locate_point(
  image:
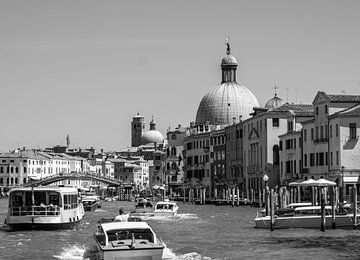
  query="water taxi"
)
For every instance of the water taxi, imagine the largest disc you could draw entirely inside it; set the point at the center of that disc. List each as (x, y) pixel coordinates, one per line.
(47, 207)
(127, 240)
(305, 217)
(143, 208)
(165, 208)
(91, 203)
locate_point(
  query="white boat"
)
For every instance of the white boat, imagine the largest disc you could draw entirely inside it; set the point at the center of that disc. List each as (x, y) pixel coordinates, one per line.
(47, 207)
(305, 217)
(91, 202)
(128, 241)
(143, 208)
(165, 208)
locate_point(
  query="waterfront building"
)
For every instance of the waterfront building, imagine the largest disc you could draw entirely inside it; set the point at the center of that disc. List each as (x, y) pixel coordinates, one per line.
(174, 174)
(197, 156)
(261, 142)
(330, 146)
(234, 155)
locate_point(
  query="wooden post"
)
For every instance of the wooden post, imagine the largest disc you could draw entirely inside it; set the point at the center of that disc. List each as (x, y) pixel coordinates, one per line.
(184, 195)
(322, 205)
(233, 197)
(237, 197)
(272, 211)
(224, 194)
(215, 193)
(260, 198)
(299, 194)
(355, 206)
(332, 198)
(204, 195)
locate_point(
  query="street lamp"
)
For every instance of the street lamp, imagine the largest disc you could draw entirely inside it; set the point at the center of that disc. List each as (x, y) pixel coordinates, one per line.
(266, 179)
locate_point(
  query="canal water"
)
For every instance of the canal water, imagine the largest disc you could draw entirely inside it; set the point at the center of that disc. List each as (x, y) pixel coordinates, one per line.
(198, 232)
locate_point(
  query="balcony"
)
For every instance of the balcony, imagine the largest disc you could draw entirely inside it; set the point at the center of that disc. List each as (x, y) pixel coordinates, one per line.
(321, 140)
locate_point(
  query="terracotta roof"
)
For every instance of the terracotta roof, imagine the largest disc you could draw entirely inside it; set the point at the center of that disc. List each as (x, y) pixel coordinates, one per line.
(344, 98)
(298, 109)
(352, 111)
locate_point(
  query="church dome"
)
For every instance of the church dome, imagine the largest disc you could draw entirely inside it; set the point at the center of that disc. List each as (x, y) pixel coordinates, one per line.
(228, 59)
(228, 100)
(224, 102)
(274, 102)
(153, 135)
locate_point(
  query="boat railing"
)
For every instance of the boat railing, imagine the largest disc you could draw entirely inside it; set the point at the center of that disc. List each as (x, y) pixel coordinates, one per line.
(35, 211)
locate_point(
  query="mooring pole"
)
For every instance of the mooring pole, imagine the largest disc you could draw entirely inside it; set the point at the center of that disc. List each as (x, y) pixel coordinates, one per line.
(322, 204)
(333, 202)
(355, 206)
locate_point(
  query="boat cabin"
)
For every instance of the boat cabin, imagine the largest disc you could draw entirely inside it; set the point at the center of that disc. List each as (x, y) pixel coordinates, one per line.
(41, 201)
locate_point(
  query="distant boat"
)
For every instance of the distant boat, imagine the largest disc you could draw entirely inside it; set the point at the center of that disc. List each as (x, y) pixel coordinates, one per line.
(127, 240)
(91, 203)
(165, 208)
(305, 217)
(47, 207)
(143, 208)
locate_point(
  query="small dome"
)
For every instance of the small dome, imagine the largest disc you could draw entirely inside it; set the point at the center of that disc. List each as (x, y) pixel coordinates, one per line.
(274, 102)
(152, 136)
(228, 60)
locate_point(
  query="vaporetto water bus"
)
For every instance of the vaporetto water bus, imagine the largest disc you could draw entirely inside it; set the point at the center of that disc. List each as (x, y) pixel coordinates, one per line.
(48, 207)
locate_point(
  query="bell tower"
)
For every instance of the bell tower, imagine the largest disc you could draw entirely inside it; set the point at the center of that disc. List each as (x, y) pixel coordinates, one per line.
(137, 130)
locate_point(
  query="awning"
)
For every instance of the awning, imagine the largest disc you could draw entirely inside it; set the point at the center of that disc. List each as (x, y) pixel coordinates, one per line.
(351, 179)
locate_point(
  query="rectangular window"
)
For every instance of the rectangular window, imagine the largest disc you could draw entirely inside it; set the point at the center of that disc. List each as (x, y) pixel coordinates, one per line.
(337, 129)
(305, 160)
(330, 131)
(352, 129)
(275, 122)
(331, 158)
(305, 133)
(312, 159)
(337, 157)
(312, 133)
(316, 133)
(321, 132)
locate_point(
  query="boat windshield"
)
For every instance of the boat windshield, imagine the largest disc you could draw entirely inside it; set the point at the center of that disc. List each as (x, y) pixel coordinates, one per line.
(165, 206)
(124, 234)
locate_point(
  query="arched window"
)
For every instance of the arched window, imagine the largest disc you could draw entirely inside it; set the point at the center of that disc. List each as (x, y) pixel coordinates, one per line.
(276, 156)
(1, 180)
(174, 166)
(173, 151)
(168, 166)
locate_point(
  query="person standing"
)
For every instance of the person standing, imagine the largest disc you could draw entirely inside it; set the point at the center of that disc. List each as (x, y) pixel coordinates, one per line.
(121, 217)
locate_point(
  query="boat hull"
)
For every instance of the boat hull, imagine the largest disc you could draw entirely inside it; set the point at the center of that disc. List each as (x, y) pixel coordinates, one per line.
(138, 254)
(341, 221)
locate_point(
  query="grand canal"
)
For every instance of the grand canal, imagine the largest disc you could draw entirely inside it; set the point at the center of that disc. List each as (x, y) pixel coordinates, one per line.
(198, 232)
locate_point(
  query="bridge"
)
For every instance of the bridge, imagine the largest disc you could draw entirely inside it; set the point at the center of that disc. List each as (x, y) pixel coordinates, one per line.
(77, 176)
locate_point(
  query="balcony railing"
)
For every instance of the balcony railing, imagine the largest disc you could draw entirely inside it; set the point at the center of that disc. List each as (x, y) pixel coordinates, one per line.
(321, 140)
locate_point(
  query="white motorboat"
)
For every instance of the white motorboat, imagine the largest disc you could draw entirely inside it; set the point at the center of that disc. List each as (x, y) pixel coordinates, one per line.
(128, 241)
(165, 208)
(305, 217)
(143, 208)
(91, 203)
(48, 207)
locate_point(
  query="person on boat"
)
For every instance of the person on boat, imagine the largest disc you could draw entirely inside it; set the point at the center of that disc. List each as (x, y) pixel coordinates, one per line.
(121, 217)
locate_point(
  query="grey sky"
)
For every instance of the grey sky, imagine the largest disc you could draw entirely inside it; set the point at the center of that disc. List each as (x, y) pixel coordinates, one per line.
(85, 67)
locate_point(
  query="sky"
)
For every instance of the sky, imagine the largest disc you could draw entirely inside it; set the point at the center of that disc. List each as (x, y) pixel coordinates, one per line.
(86, 67)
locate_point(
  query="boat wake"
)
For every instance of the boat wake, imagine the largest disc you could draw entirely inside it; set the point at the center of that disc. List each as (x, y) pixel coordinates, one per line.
(182, 216)
(74, 252)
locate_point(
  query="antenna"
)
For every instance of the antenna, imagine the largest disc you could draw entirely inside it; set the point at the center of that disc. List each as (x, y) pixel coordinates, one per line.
(276, 88)
(287, 95)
